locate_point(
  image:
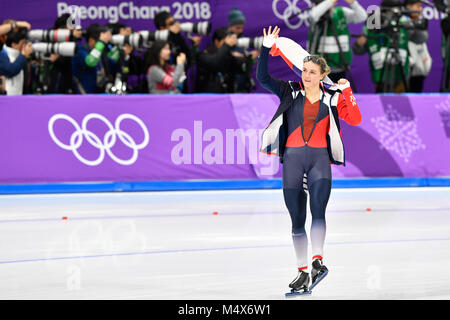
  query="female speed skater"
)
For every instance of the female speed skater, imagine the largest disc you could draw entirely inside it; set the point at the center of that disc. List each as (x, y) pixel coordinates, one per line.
(305, 134)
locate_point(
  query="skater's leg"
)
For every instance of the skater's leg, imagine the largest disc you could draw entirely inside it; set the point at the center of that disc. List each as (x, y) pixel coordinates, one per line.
(319, 187)
(295, 199)
(319, 194)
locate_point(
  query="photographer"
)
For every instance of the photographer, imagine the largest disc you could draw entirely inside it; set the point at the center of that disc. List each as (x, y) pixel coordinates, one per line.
(13, 60)
(388, 49)
(162, 76)
(420, 58)
(216, 65)
(244, 61)
(8, 26)
(120, 28)
(329, 35)
(92, 67)
(165, 21)
(444, 7)
(61, 68)
(131, 69)
(2, 85)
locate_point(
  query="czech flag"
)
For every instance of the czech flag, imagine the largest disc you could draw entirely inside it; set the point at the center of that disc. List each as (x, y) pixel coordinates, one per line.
(293, 54)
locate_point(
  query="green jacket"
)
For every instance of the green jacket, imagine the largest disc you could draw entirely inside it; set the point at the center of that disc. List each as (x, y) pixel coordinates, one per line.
(326, 44)
(377, 44)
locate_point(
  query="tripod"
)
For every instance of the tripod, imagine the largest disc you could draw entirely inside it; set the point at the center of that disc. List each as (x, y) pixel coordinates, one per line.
(445, 78)
(120, 82)
(40, 75)
(392, 60)
(444, 7)
(313, 47)
(445, 85)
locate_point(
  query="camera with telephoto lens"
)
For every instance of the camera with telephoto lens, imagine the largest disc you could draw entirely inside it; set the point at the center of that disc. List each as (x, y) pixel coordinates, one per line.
(391, 12)
(135, 40)
(250, 43)
(65, 49)
(201, 28)
(444, 7)
(57, 35)
(150, 36)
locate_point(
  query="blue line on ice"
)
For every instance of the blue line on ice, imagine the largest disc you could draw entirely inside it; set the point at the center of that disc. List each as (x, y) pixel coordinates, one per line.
(217, 249)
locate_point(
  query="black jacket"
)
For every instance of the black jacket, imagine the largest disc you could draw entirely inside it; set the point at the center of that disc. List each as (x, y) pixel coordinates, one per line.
(215, 70)
(340, 104)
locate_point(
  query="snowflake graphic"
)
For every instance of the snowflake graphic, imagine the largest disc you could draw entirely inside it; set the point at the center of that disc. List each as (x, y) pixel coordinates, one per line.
(254, 119)
(399, 134)
(254, 122)
(446, 119)
(444, 105)
(444, 111)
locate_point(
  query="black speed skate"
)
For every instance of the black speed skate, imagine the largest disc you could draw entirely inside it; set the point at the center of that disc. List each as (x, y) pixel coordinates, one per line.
(299, 285)
(318, 272)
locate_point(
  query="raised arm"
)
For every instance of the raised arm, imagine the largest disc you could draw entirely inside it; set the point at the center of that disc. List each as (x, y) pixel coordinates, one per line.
(7, 27)
(356, 14)
(347, 108)
(262, 74)
(319, 10)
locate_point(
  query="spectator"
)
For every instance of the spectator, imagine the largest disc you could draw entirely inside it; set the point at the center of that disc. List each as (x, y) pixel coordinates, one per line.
(244, 61)
(326, 19)
(236, 22)
(419, 55)
(61, 71)
(165, 21)
(92, 67)
(120, 28)
(130, 65)
(216, 65)
(2, 85)
(13, 59)
(161, 76)
(374, 42)
(10, 25)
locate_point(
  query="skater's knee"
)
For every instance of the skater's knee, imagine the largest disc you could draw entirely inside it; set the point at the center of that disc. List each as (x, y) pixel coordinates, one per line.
(298, 232)
(319, 196)
(320, 189)
(318, 220)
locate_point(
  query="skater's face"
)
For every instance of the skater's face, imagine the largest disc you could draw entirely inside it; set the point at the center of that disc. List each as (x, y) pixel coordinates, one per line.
(311, 74)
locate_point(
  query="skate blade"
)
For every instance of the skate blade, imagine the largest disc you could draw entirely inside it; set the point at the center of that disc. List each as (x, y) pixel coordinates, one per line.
(319, 278)
(294, 293)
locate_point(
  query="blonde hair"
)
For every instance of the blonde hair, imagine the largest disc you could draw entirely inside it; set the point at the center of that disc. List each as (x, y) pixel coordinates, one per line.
(321, 62)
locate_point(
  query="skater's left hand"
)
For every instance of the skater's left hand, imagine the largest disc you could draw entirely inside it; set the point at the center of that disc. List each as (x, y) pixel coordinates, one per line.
(343, 84)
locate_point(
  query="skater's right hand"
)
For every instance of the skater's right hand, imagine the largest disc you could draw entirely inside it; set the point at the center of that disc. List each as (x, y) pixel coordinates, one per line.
(270, 37)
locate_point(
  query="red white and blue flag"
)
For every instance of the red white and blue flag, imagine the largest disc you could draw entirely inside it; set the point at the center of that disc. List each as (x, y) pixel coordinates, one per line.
(293, 54)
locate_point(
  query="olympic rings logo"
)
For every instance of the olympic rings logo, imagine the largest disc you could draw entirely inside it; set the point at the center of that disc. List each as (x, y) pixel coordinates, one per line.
(290, 11)
(105, 144)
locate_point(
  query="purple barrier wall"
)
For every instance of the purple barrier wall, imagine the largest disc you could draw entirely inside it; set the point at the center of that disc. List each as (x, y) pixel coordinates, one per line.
(158, 137)
(140, 13)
